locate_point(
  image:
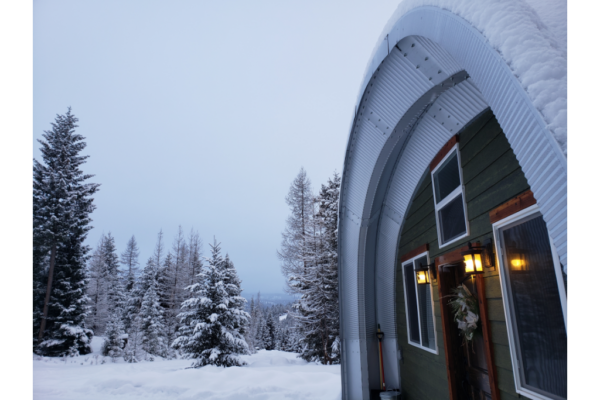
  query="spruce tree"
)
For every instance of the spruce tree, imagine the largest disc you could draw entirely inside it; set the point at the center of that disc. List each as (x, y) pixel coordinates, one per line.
(62, 203)
(269, 333)
(113, 342)
(152, 328)
(209, 331)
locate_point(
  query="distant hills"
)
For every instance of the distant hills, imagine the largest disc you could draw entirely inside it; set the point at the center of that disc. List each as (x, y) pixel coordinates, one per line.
(270, 298)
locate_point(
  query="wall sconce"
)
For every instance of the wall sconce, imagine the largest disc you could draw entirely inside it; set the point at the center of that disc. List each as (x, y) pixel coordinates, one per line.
(423, 272)
(472, 259)
(478, 257)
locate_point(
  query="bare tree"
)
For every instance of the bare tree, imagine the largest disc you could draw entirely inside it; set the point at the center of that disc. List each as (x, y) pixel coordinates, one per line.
(301, 202)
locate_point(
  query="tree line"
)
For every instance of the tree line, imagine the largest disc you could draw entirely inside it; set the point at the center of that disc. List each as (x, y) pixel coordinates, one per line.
(180, 304)
(177, 303)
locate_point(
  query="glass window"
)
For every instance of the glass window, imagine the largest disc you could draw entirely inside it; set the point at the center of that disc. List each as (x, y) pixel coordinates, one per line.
(447, 177)
(419, 307)
(448, 191)
(535, 298)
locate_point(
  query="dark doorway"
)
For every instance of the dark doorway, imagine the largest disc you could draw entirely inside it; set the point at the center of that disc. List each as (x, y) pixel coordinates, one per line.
(468, 365)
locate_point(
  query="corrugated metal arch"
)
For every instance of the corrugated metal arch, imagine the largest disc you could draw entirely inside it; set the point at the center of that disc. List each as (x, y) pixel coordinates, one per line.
(393, 138)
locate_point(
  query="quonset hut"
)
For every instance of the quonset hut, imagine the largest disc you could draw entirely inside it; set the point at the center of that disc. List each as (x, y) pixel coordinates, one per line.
(459, 137)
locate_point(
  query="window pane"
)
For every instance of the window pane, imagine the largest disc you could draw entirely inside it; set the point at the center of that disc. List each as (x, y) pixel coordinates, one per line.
(425, 308)
(452, 219)
(446, 178)
(537, 312)
(411, 303)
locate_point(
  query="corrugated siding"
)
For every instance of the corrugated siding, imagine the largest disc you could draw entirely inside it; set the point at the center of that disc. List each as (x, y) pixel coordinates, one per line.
(391, 89)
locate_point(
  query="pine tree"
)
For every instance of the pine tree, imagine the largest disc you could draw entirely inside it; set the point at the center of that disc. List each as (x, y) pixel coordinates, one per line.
(152, 328)
(209, 331)
(113, 343)
(269, 333)
(62, 202)
(116, 299)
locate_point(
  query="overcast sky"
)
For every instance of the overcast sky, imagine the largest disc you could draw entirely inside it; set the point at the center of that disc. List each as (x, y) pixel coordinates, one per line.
(201, 114)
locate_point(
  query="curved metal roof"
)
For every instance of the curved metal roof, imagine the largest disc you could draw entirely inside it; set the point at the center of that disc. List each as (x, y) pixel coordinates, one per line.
(434, 60)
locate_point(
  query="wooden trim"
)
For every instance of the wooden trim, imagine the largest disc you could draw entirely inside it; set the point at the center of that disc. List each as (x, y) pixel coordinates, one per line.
(421, 249)
(448, 351)
(443, 151)
(512, 206)
(452, 256)
(487, 337)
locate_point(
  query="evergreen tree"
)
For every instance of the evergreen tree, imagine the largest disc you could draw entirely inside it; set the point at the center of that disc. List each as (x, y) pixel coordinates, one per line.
(209, 331)
(113, 343)
(62, 202)
(269, 339)
(152, 327)
(116, 299)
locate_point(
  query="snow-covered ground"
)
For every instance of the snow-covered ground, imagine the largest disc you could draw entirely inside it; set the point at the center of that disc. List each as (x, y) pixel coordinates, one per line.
(268, 375)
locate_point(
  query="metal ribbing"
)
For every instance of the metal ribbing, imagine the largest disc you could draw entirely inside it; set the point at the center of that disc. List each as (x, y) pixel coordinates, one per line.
(456, 43)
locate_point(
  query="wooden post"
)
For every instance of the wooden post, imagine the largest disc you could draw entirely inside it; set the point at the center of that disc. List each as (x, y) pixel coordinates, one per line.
(48, 290)
(487, 336)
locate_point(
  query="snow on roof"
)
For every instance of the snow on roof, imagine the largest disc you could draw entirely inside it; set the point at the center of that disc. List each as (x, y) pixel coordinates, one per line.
(530, 35)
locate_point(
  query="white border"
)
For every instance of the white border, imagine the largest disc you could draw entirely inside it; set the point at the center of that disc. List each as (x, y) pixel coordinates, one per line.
(500, 254)
(419, 345)
(450, 197)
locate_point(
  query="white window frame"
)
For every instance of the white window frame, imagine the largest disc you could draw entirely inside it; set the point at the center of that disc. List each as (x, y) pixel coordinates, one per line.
(460, 189)
(501, 262)
(419, 345)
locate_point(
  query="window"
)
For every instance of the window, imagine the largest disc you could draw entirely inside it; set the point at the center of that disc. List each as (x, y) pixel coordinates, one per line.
(418, 300)
(535, 304)
(449, 199)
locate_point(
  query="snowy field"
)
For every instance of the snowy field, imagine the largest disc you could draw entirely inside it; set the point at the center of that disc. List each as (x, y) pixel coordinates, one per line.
(268, 375)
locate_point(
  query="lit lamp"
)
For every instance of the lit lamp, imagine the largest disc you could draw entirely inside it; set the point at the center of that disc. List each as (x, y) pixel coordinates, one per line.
(423, 271)
(472, 259)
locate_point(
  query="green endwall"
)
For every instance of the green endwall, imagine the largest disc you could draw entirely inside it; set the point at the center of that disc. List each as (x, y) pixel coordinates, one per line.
(492, 176)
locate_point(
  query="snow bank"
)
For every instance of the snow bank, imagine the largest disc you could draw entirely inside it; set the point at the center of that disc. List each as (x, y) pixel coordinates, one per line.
(268, 375)
(530, 35)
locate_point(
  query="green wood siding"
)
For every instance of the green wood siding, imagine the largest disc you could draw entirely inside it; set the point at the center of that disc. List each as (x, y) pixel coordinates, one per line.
(492, 175)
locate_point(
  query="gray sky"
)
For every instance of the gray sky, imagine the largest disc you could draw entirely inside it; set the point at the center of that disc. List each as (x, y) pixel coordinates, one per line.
(200, 114)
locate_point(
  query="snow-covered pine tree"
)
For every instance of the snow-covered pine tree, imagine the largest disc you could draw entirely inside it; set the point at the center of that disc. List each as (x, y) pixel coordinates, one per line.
(62, 203)
(237, 304)
(152, 328)
(129, 259)
(113, 342)
(259, 324)
(148, 277)
(195, 257)
(208, 332)
(269, 333)
(116, 299)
